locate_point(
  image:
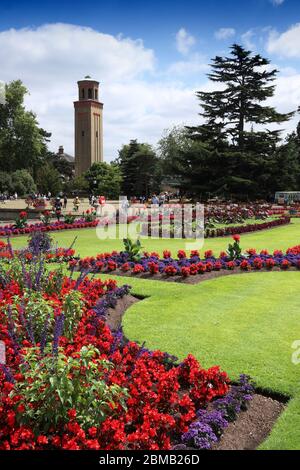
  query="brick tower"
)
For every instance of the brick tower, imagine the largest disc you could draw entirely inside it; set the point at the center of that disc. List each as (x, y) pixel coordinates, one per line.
(88, 126)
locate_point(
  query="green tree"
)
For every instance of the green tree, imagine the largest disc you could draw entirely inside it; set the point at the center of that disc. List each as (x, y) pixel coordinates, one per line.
(172, 143)
(48, 179)
(236, 152)
(105, 179)
(140, 168)
(5, 182)
(22, 183)
(246, 84)
(79, 183)
(286, 168)
(22, 141)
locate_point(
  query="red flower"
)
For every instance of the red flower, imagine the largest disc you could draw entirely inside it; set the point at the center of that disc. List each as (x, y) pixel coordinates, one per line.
(236, 238)
(72, 413)
(42, 440)
(181, 254)
(185, 271)
(208, 254)
(245, 266)
(138, 268)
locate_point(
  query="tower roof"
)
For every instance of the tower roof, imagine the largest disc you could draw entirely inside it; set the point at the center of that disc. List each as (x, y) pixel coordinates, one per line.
(88, 78)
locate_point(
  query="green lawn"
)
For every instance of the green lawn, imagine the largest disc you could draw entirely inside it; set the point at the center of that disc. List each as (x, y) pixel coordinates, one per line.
(244, 323)
(88, 244)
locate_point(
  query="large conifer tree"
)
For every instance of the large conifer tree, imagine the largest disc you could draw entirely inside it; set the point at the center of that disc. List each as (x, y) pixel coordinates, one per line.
(246, 82)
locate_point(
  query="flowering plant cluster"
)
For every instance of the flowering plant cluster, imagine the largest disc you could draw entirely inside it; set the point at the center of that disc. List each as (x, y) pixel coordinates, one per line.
(21, 220)
(210, 424)
(9, 230)
(38, 241)
(193, 264)
(46, 217)
(39, 203)
(70, 382)
(185, 231)
(89, 215)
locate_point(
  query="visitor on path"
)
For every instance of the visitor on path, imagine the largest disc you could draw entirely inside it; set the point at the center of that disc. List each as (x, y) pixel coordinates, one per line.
(76, 204)
(57, 206)
(154, 200)
(65, 201)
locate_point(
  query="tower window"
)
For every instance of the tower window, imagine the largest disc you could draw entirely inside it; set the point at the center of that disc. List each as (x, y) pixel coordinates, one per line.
(82, 93)
(82, 133)
(96, 133)
(90, 93)
(96, 94)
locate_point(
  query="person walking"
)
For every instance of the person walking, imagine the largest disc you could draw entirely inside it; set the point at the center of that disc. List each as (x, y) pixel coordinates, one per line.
(65, 201)
(76, 204)
(57, 206)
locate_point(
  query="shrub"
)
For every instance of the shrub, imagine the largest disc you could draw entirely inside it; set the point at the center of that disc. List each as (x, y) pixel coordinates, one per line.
(55, 389)
(132, 249)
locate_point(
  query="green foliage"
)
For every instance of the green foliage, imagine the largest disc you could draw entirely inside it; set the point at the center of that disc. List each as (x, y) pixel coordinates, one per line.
(228, 156)
(48, 179)
(54, 385)
(247, 84)
(79, 183)
(89, 215)
(21, 220)
(234, 250)
(69, 218)
(140, 168)
(19, 181)
(133, 249)
(105, 179)
(22, 183)
(22, 142)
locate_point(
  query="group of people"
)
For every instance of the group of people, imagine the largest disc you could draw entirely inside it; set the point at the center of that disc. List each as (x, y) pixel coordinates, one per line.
(156, 199)
(8, 197)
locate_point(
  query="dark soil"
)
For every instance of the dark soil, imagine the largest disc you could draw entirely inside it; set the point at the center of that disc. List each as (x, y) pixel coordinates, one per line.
(193, 279)
(114, 315)
(253, 426)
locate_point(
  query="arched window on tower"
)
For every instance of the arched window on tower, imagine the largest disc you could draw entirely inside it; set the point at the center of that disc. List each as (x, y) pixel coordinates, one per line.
(96, 94)
(82, 93)
(90, 94)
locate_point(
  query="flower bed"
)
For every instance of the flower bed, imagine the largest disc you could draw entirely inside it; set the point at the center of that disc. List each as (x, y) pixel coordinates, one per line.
(184, 266)
(56, 255)
(69, 382)
(9, 230)
(12, 230)
(169, 231)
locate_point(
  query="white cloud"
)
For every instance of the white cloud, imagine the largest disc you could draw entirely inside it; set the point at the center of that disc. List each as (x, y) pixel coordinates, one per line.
(51, 58)
(225, 33)
(286, 44)
(184, 41)
(247, 39)
(277, 2)
(195, 64)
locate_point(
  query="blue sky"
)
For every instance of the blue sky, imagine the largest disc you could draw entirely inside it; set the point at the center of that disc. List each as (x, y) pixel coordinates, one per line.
(150, 57)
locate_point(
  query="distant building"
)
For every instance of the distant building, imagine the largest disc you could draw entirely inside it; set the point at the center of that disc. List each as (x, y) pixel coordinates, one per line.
(88, 126)
(64, 163)
(65, 156)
